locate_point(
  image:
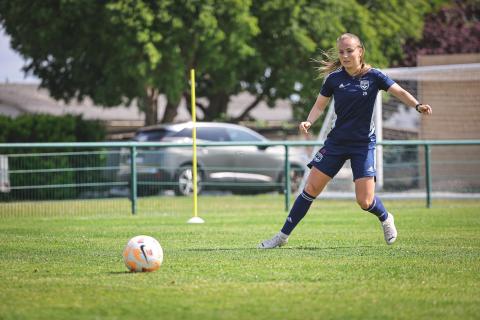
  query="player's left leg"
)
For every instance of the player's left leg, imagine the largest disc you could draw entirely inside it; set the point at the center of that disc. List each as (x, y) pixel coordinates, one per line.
(366, 198)
(363, 168)
(368, 201)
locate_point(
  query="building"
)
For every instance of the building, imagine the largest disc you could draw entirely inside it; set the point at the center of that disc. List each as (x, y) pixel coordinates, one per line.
(16, 99)
(451, 85)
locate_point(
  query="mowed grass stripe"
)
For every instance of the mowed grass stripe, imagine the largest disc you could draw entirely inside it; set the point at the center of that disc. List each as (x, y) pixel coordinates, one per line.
(336, 265)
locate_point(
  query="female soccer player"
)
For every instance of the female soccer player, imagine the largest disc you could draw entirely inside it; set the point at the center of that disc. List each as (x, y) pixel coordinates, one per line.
(354, 86)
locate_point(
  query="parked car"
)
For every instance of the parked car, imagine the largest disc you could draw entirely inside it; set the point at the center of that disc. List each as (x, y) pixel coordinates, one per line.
(240, 169)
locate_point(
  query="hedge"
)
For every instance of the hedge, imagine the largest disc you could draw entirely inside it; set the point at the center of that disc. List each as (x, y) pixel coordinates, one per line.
(47, 128)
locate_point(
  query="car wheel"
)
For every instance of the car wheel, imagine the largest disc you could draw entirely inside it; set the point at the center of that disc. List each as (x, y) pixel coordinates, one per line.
(184, 181)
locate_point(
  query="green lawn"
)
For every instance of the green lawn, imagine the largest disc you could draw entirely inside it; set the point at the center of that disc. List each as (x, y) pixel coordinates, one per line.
(336, 265)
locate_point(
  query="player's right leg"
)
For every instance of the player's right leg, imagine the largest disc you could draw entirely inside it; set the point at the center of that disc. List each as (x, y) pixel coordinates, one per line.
(316, 182)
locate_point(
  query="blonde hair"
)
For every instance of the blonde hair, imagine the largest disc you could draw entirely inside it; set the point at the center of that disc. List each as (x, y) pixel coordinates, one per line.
(331, 62)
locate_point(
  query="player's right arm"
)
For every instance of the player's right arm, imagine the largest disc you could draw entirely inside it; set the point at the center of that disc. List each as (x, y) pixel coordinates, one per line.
(315, 112)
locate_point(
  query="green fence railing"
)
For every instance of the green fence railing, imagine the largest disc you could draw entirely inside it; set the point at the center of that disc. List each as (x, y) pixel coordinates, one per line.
(427, 144)
(287, 145)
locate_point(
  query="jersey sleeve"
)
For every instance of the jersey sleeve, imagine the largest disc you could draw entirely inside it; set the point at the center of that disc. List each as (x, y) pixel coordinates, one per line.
(384, 81)
(327, 87)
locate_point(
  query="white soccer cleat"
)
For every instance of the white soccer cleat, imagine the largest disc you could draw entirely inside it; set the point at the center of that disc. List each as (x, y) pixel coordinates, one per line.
(389, 230)
(278, 240)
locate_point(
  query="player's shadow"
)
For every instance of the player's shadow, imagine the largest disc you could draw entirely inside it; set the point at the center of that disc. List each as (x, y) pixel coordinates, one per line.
(328, 248)
(285, 248)
(215, 249)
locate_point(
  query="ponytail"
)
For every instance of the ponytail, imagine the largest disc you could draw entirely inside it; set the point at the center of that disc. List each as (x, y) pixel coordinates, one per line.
(331, 61)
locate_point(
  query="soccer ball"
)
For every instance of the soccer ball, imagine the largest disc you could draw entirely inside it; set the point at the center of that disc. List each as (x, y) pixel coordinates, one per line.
(143, 254)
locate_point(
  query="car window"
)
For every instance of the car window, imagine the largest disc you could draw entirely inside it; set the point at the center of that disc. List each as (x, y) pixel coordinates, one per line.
(219, 134)
(241, 135)
(153, 135)
(184, 133)
(212, 134)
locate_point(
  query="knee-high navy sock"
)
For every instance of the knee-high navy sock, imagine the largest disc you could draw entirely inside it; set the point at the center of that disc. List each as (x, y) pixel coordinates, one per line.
(378, 209)
(298, 211)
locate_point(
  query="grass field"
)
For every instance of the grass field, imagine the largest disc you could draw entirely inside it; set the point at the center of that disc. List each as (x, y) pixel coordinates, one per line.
(336, 266)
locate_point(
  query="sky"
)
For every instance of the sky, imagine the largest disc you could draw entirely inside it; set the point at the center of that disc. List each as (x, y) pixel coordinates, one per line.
(11, 63)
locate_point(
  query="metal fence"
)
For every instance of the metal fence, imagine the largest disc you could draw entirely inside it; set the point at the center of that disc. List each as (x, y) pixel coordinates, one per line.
(32, 175)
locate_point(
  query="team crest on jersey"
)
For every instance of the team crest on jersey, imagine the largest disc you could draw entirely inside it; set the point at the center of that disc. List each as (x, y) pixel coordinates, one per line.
(364, 84)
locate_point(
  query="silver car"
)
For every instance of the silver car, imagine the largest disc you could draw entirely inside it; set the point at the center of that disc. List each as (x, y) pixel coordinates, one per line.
(239, 169)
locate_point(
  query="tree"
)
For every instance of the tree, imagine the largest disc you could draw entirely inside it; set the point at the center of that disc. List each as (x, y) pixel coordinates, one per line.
(117, 52)
(212, 37)
(292, 32)
(382, 25)
(120, 51)
(455, 28)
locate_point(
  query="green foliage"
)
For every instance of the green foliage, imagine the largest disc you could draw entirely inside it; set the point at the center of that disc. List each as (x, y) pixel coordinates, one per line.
(383, 27)
(115, 52)
(34, 170)
(48, 128)
(394, 22)
(66, 262)
(453, 29)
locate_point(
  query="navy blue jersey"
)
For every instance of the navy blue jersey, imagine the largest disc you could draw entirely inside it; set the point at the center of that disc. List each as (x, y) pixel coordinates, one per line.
(354, 102)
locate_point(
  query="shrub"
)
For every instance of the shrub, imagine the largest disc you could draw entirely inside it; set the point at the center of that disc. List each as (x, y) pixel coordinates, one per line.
(47, 128)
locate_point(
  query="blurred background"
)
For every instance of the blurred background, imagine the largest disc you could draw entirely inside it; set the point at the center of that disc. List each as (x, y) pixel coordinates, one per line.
(118, 71)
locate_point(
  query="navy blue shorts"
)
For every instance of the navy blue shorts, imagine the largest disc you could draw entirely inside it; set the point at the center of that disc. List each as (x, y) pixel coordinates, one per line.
(331, 158)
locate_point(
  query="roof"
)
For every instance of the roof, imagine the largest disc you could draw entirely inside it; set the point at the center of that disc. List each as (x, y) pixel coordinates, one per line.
(17, 99)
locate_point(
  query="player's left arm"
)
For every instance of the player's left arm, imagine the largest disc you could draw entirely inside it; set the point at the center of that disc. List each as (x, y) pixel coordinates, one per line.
(404, 96)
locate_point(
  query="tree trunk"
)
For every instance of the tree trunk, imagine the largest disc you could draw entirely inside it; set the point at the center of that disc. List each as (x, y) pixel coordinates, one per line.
(171, 111)
(217, 108)
(198, 105)
(245, 112)
(151, 106)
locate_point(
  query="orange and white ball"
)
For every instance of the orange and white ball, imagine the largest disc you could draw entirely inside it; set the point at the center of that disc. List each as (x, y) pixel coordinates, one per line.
(143, 254)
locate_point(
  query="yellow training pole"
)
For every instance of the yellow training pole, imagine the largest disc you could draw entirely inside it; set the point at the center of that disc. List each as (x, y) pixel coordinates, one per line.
(195, 218)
